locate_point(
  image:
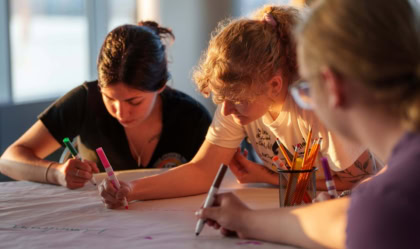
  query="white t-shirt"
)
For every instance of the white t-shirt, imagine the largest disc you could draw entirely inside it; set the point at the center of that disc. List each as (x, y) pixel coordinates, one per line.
(292, 128)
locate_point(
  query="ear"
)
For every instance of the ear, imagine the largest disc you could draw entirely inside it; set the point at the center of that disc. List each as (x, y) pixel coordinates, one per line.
(334, 87)
(276, 86)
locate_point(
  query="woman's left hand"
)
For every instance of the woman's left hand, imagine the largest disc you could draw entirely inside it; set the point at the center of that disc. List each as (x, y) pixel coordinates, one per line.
(247, 171)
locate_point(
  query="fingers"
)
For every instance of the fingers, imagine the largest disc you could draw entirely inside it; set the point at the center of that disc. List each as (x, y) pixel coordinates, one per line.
(323, 196)
(79, 170)
(236, 167)
(228, 233)
(241, 157)
(211, 213)
(224, 215)
(75, 185)
(93, 167)
(111, 197)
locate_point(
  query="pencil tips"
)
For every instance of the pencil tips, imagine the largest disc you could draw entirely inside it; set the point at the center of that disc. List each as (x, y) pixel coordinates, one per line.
(196, 234)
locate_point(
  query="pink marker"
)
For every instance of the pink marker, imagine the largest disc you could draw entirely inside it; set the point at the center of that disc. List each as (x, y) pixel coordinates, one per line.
(110, 171)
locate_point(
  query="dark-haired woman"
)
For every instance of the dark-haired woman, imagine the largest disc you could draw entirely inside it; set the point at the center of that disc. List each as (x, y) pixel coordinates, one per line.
(129, 111)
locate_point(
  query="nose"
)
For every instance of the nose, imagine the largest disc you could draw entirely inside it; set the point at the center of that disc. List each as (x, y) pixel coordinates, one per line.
(121, 111)
(228, 108)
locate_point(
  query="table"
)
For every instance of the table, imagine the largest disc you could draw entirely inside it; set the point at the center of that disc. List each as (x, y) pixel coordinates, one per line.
(34, 215)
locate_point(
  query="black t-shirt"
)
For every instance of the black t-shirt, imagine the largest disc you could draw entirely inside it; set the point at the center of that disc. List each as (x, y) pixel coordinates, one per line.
(81, 112)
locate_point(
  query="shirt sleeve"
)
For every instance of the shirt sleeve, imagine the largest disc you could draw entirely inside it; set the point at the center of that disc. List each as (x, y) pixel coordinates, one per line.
(64, 117)
(224, 132)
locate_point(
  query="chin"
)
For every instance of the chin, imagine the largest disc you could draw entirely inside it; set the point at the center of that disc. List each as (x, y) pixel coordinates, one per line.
(129, 124)
(241, 121)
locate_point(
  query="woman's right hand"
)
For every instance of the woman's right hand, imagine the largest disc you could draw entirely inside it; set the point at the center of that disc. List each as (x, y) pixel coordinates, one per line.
(228, 214)
(113, 198)
(75, 173)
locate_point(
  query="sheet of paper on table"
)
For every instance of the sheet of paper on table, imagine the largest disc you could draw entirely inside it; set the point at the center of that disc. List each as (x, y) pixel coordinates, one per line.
(34, 215)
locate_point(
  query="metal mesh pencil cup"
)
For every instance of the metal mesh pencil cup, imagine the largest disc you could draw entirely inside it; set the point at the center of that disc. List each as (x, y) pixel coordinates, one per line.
(296, 187)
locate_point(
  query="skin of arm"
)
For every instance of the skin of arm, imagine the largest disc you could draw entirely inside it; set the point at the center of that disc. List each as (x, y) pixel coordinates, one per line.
(37, 143)
(319, 225)
(192, 178)
(347, 179)
(247, 171)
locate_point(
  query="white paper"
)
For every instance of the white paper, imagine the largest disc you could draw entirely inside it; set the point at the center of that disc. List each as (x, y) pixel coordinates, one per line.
(34, 215)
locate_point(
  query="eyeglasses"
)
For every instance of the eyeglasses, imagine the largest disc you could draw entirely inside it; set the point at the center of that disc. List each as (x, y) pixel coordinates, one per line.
(300, 91)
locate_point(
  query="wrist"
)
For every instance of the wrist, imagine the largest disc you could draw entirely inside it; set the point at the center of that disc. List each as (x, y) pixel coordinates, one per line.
(269, 176)
(244, 226)
(130, 194)
(133, 193)
(55, 174)
(47, 176)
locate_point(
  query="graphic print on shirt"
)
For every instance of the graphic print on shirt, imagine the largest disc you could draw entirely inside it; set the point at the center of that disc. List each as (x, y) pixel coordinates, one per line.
(170, 160)
(268, 148)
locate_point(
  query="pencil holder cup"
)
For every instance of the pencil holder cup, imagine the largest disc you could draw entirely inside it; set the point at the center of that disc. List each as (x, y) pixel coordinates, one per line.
(297, 186)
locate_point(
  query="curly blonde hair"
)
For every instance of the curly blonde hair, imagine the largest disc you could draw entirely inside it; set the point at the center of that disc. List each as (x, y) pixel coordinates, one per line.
(244, 54)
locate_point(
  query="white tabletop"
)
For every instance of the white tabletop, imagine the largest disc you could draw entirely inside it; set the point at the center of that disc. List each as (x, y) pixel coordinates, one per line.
(34, 215)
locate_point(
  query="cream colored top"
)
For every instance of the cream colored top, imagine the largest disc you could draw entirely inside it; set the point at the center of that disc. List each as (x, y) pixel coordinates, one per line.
(291, 127)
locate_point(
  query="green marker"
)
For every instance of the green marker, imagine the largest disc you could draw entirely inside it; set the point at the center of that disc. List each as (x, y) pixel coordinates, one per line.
(75, 154)
(71, 148)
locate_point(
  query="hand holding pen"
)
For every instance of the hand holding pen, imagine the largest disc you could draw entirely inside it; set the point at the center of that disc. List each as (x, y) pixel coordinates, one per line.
(110, 172)
(80, 171)
(211, 195)
(226, 214)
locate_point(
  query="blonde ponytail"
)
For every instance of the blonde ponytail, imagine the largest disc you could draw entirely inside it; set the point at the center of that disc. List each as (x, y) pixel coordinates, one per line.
(375, 42)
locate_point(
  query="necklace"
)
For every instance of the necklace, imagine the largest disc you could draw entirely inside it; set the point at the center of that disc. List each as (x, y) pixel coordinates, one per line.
(132, 147)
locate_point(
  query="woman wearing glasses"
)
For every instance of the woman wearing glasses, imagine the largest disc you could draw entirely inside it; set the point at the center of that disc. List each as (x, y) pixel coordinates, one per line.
(248, 68)
(367, 89)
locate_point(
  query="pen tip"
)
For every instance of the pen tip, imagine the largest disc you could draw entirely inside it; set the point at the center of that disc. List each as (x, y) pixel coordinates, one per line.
(126, 207)
(196, 234)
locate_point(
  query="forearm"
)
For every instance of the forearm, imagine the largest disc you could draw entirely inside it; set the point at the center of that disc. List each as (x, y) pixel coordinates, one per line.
(363, 168)
(339, 184)
(185, 180)
(33, 169)
(320, 225)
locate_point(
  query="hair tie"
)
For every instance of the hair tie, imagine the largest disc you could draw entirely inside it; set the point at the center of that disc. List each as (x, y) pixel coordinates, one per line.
(268, 17)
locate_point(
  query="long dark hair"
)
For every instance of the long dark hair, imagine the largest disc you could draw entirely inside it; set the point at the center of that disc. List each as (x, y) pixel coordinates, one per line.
(135, 55)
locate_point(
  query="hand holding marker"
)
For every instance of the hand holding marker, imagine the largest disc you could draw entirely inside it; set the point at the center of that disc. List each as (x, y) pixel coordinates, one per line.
(110, 171)
(75, 154)
(211, 195)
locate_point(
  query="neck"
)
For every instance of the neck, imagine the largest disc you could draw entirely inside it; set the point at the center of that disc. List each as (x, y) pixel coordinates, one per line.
(378, 131)
(277, 105)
